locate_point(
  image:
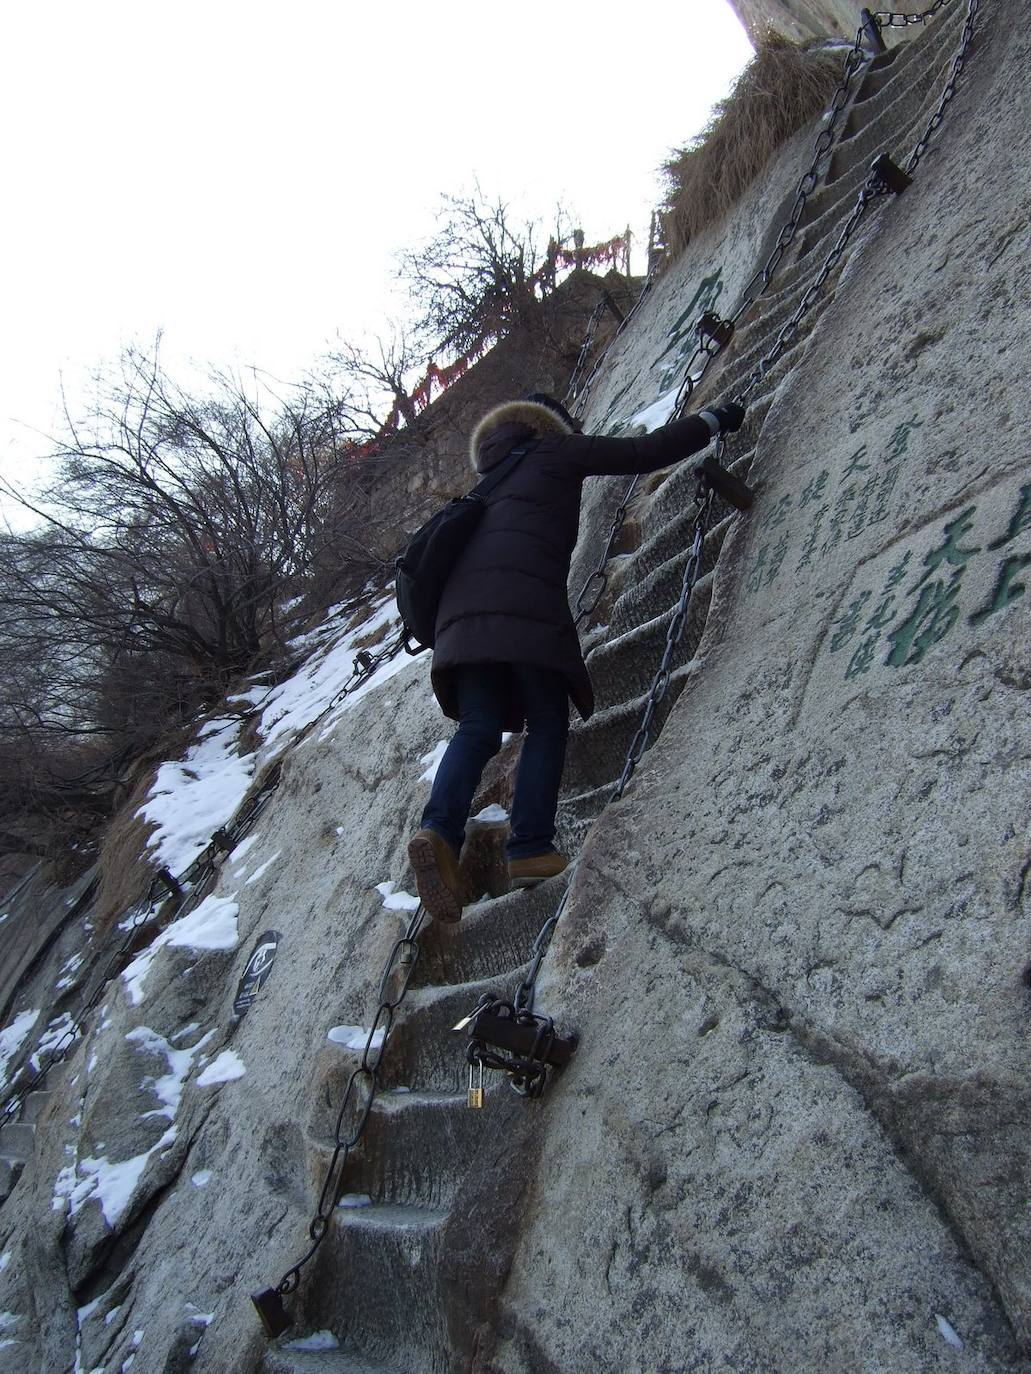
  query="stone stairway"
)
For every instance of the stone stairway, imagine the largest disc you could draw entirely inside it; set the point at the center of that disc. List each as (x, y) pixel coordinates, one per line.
(17, 1139)
(894, 99)
(405, 1279)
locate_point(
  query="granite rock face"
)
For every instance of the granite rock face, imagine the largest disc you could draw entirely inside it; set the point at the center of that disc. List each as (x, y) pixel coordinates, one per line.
(795, 1133)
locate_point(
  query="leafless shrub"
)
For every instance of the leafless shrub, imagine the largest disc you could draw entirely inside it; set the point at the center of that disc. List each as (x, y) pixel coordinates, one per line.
(172, 554)
(780, 90)
(475, 277)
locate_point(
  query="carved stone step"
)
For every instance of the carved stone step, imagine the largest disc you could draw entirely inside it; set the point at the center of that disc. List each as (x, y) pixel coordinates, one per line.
(577, 813)
(886, 75)
(424, 1053)
(671, 532)
(741, 367)
(492, 937)
(17, 1139)
(644, 584)
(11, 1167)
(757, 345)
(623, 669)
(891, 129)
(380, 1286)
(282, 1360)
(418, 1147)
(35, 1105)
(831, 206)
(597, 749)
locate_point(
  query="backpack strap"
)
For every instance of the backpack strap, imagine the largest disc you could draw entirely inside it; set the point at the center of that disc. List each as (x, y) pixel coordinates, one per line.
(507, 465)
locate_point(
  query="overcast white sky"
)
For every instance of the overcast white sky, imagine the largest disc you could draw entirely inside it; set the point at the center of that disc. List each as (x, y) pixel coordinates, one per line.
(240, 175)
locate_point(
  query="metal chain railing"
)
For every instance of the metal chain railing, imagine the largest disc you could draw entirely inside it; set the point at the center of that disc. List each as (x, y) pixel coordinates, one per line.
(875, 187)
(888, 19)
(703, 510)
(20, 1090)
(356, 1107)
(574, 381)
(935, 121)
(713, 333)
(578, 400)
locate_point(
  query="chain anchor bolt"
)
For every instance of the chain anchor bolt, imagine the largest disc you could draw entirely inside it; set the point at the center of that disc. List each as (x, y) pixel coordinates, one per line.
(890, 174)
(612, 307)
(869, 25)
(173, 884)
(714, 332)
(269, 1307)
(724, 483)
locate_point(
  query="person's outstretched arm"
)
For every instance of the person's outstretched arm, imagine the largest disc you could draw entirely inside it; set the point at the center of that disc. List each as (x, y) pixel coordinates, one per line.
(597, 456)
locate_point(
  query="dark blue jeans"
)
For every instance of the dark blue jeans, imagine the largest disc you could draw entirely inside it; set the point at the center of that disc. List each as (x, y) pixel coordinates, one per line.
(483, 691)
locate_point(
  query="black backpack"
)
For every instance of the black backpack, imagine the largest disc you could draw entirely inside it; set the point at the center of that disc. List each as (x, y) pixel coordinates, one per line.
(425, 565)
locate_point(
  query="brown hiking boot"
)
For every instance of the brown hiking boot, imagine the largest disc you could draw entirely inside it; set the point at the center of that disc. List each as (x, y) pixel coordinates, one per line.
(529, 872)
(436, 875)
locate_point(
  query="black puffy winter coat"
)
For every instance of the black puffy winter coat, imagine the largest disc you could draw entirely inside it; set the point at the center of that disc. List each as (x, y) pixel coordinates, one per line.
(506, 599)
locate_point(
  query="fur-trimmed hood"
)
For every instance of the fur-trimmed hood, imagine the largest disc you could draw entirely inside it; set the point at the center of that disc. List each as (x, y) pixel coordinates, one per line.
(539, 419)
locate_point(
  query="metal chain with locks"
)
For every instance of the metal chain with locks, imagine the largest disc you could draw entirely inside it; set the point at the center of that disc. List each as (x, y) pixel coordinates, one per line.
(356, 1107)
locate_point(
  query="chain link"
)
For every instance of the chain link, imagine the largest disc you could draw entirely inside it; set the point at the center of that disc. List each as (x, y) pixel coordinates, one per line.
(360, 1093)
(581, 362)
(888, 19)
(580, 399)
(950, 86)
(660, 683)
(524, 995)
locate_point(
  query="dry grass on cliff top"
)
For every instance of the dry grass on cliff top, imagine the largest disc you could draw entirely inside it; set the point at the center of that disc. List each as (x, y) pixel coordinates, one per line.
(781, 89)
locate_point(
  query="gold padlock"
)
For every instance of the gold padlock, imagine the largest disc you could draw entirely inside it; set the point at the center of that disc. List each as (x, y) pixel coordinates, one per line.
(476, 1093)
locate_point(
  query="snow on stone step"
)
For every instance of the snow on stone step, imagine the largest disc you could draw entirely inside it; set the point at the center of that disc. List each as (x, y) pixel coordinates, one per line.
(284, 1360)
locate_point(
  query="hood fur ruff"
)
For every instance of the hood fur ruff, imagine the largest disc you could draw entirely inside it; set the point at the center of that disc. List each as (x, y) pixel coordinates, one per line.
(539, 418)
